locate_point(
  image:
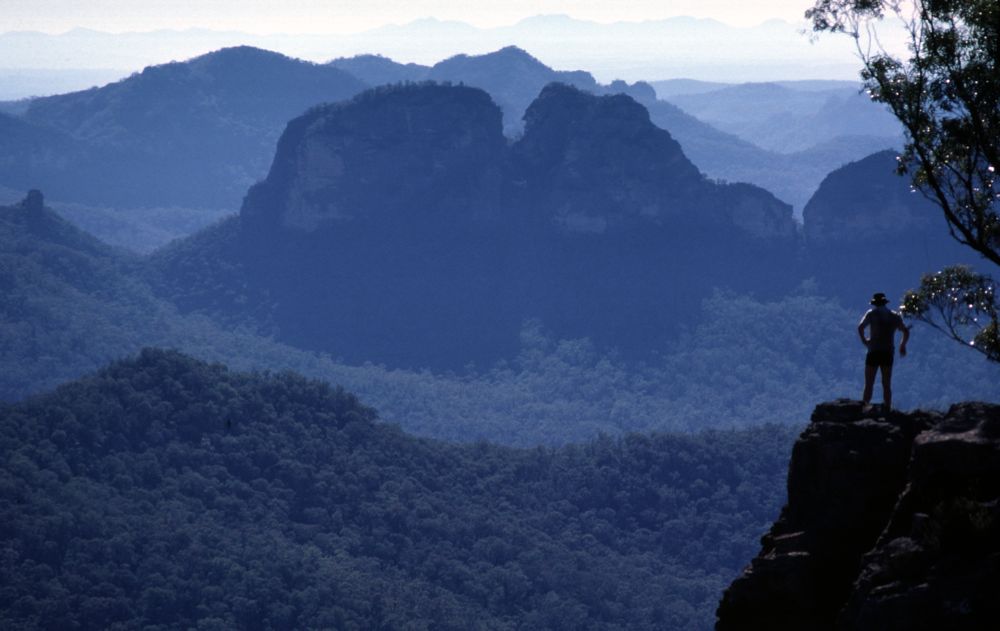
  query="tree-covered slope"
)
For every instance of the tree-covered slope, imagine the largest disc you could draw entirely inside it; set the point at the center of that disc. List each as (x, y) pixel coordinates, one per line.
(165, 492)
(69, 302)
(195, 133)
(69, 305)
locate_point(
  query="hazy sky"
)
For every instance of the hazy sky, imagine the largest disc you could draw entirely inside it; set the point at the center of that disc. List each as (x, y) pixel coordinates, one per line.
(345, 16)
(145, 32)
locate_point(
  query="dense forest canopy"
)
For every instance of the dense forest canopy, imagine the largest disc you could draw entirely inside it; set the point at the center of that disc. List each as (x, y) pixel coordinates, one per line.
(163, 492)
(71, 305)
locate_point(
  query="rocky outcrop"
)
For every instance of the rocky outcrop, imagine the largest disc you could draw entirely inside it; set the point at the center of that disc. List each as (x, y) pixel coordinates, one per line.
(865, 221)
(584, 164)
(402, 227)
(891, 523)
(392, 154)
(594, 163)
(866, 201)
(511, 76)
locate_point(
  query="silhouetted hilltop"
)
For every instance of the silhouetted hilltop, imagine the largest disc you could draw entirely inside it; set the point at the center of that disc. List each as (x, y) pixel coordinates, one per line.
(392, 155)
(576, 146)
(401, 227)
(195, 133)
(163, 491)
(865, 221)
(595, 161)
(511, 76)
(891, 524)
(230, 79)
(377, 70)
(866, 201)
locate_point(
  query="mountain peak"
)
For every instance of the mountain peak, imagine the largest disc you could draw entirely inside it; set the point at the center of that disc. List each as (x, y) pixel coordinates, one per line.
(513, 51)
(506, 56)
(389, 152)
(563, 93)
(245, 57)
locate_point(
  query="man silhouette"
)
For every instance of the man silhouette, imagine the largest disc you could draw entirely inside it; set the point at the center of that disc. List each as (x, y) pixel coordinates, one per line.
(881, 346)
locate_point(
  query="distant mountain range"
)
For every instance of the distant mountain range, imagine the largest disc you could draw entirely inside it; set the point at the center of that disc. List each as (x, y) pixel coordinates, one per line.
(205, 123)
(196, 133)
(659, 49)
(402, 226)
(792, 117)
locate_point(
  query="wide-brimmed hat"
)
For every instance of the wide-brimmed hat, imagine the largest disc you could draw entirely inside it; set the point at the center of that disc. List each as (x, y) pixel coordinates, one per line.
(879, 299)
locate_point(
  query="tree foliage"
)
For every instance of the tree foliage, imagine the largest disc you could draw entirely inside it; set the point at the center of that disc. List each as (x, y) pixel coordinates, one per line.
(163, 492)
(961, 304)
(947, 96)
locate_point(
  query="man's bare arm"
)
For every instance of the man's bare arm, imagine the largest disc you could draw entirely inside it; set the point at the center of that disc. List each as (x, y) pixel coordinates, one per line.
(906, 337)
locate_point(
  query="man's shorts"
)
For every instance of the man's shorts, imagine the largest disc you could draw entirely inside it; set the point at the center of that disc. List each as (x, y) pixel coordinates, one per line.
(879, 358)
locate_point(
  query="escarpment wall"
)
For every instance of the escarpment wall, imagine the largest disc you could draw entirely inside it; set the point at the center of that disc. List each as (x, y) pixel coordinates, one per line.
(891, 523)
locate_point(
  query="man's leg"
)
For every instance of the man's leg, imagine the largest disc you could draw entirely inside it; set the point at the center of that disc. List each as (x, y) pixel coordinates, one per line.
(866, 398)
(886, 387)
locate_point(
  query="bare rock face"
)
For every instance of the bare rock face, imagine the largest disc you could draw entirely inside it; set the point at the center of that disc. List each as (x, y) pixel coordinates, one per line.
(891, 523)
(937, 564)
(405, 153)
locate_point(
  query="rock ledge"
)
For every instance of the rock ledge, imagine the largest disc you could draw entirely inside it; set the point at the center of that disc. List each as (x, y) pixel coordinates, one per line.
(891, 523)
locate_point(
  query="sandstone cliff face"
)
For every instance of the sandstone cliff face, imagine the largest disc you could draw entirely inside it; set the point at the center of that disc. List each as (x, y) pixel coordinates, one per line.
(425, 151)
(890, 524)
(401, 227)
(392, 154)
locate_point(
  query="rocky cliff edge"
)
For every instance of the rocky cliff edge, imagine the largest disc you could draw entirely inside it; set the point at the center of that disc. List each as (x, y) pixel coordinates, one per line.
(891, 524)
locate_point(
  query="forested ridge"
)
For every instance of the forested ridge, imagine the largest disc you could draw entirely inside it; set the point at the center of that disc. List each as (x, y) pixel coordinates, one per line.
(164, 492)
(71, 305)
